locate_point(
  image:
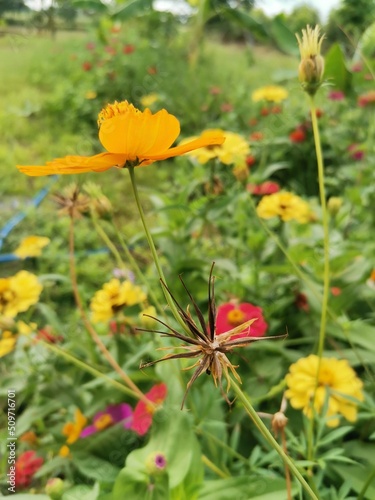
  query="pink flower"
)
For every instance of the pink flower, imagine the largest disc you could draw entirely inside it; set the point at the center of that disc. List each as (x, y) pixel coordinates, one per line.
(143, 413)
(90, 46)
(357, 67)
(267, 187)
(356, 152)
(336, 95)
(110, 416)
(230, 315)
(26, 466)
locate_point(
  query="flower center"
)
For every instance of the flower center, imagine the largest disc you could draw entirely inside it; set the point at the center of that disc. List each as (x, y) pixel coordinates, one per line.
(236, 317)
(103, 421)
(117, 108)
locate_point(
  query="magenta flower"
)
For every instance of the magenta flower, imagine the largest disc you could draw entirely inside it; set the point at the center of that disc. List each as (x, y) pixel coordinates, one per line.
(356, 152)
(230, 315)
(143, 413)
(110, 416)
(336, 95)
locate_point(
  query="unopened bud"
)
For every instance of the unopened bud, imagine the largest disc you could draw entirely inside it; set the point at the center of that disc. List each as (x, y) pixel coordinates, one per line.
(311, 68)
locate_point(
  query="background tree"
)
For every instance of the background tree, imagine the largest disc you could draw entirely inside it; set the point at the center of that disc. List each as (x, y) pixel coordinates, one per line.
(347, 23)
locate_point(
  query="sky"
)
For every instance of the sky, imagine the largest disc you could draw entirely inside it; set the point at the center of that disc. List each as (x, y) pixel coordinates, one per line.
(270, 7)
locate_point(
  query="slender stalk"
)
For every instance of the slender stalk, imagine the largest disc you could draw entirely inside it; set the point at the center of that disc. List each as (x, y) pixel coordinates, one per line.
(319, 157)
(213, 467)
(270, 439)
(104, 236)
(137, 269)
(153, 250)
(362, 493)
(84, 366)
(90, 328)
(287, 472)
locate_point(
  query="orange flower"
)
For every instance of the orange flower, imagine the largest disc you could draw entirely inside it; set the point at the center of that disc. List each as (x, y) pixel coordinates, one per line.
(132, 138)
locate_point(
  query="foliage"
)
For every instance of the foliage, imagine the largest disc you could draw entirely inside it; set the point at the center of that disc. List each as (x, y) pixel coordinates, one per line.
(198, 213)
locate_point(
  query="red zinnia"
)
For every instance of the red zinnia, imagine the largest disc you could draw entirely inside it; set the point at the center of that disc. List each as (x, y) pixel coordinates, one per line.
(264, 188)
(128, 48)
(26, 466)
(297, 135)
(230, 315)
(143, 413)
(86, 66)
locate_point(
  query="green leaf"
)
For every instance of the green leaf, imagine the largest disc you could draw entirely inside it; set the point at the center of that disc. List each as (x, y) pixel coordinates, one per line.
(244, 20)
(33, 413)
(82, 492)
(95, 468)
(284, 38)
(357, 476)
(133, 8)
(336, 70)
(29, 496)
(95, 5)
(244, 487)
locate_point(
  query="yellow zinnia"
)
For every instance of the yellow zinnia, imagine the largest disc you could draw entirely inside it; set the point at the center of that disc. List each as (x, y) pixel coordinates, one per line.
(18, 293)
(335, 386)
(113, 297)
(270, 93)
(311, 67)
(287, 206)
(72, 430)
(7, 343)
(31, 246)
(131, 137)
(233, 150)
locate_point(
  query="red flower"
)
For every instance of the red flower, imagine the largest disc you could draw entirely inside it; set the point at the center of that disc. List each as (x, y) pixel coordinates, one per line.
(319, 113)
(335, 290)
(226, 107)
(250, 160)
(26, 466)
(264, 111)
(267, 187)
(86, 66)
(47, 335)
(90, 46)
(302, 302)
(276, 110)
(357, 67)
(143, 413)
(110, 50)
(215, 90)
(230, 315)
(336, 95)
(152, 70)
(256, 136)
(128, 48)
(297, 135)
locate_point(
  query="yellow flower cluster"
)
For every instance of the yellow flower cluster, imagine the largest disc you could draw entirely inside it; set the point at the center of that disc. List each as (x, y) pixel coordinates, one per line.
(234, 150)
(72, 431)
(336, 387)
(31, 246)
(18, 293)
(285, 205)
(113, 297)
(270, 93)
(10, 333)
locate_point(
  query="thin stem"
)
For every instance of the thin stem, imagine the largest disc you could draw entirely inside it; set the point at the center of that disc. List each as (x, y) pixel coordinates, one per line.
(287, 472)
(89, 326)
(153, 251)
(107, 241)
(137, 269)
(319, 157)
(223, 445)
(84, 366)
(362, 493)
(213, 467)
(270, 439)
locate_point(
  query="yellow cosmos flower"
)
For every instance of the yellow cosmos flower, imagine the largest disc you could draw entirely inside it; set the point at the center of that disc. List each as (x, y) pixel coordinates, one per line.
(149, 99)
(270, 93)
(113, 297)
(233, 150)
(337, 386)
(7, 343)
(72, 430)
(146, 321)
(311, 68)
(287, 206)
(131, 138)
(18, 293)
(31, 246)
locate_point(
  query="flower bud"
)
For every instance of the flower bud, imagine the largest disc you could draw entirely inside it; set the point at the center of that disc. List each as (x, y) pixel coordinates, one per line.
(311, 68)
(55, 488)
(334, 204)
(156, 463)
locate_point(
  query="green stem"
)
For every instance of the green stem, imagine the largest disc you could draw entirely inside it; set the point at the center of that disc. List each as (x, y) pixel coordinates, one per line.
(136, 269)
(362, 493)
(169, 300)
(319, 157)
(84, 366)
(107, 241)
(270, 439)
(213, 467)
